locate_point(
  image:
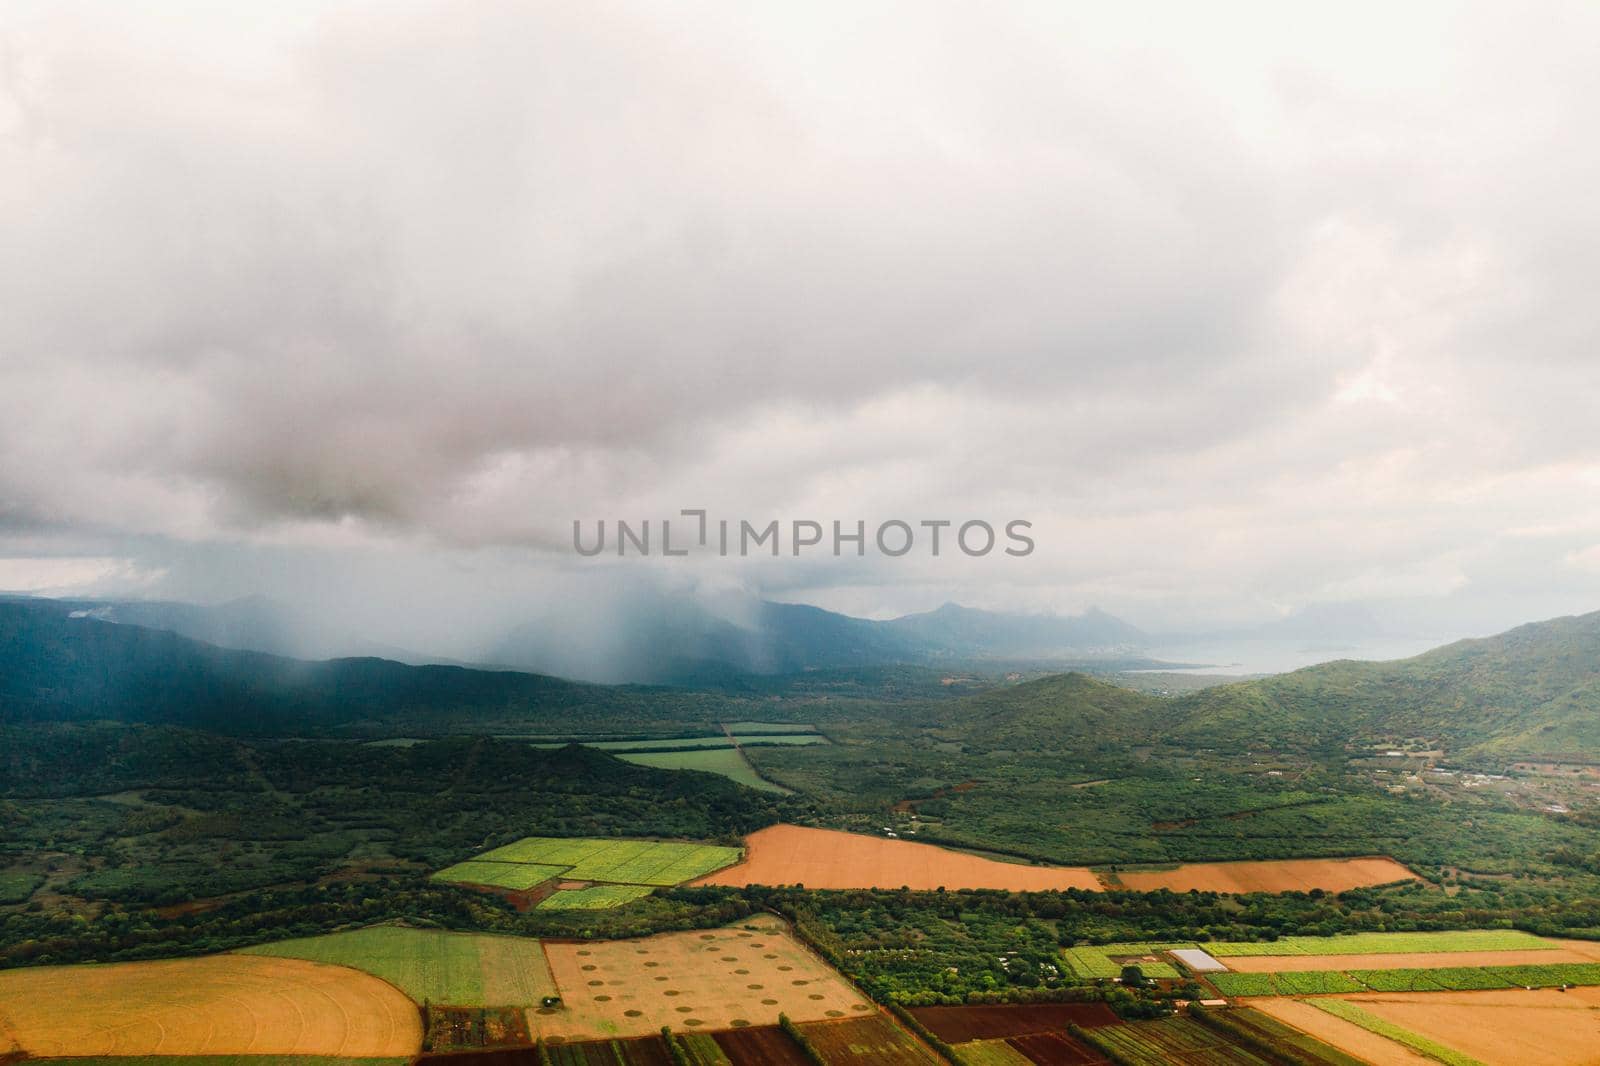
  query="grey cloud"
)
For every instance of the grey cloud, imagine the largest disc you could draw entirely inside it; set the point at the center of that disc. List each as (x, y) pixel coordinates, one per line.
(1248, 311)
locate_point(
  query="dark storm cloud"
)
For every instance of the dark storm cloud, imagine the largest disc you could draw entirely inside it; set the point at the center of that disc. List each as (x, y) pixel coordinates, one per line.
(1244, 310)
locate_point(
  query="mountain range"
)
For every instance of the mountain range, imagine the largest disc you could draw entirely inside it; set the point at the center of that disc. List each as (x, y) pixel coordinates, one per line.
(1533, 691)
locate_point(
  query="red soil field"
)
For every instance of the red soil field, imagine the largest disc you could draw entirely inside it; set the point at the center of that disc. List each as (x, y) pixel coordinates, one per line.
(763, 1045)
(827, 858)
(1056, 1049)
(954, 1025)
(1271, 875)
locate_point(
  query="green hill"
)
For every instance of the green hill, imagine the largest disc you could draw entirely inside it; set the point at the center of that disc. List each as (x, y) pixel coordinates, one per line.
(1534, 690)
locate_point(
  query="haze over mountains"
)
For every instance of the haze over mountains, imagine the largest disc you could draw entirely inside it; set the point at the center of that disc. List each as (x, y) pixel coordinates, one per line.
(677, 640)
(1533, 691)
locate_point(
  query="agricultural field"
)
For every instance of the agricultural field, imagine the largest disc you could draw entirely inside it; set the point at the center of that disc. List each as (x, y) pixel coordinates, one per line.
(825, 858)
(516, 876)
(216, 1005)
(728, 978)
(752, 728)
(594, 898)
(1270, 875)
(429, 965)
(1105, 961)
(957, 1025)
(765, 1045)
(1389, 943)
(728, 762)
(990, 1053)
(1176, 1039)
(873, 1039)
(1438, 979)
(1540, 1028)
(1056, 1049)
(701, 1049)
(615, 860)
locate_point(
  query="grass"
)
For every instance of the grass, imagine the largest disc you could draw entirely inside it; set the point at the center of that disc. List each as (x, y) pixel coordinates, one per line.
(518, 876)
(743, 728)
(593, 898)
(789, 740)
(429, 965)
(1373, 1024)
(725, 761)
(616, 860)
(1385, 943)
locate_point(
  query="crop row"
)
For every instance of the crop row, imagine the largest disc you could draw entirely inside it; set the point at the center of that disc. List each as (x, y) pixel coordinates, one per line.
(1166, 1041)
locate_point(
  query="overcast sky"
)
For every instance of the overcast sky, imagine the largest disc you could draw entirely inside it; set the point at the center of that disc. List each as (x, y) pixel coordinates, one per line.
(1246, 307)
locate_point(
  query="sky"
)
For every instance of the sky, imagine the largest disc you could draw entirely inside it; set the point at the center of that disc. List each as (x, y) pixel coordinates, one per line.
(1249, 309)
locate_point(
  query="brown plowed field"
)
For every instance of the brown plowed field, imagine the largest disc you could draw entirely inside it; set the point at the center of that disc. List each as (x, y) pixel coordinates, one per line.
(1271, 875)
(826, 858)
(955, 1025)
(1346, 1036)
(1423, 960)
(1056, 1049)
(223, 1004)
(1515, 1027)
(725, 978)
(764, 1046)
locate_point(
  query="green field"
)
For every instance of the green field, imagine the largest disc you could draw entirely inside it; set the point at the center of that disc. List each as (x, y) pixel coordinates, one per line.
(743, 728)
(518, 876)
(1097, 961)
(458, 969)
(1385, 943)
(616, 860)
(594, 898)
(1443, 979)
(725, 761)
(1374, 1024)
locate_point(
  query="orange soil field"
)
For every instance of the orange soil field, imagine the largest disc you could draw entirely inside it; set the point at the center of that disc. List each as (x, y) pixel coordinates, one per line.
(1422, 960)
(1502, 1028)
(223, 1004)
(826, 858)
(728, 978)
(1346, 1036)
(1271, 875)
